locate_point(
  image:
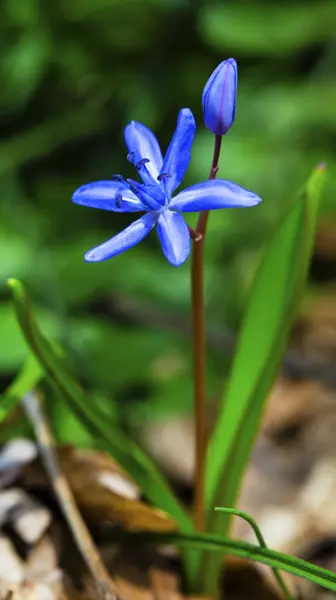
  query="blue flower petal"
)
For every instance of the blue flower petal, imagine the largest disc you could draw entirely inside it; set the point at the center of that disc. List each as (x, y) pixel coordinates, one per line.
(108, 195)
(142, 142)
(213, 194)
(177, 157)
(174, 237)
(124, 240)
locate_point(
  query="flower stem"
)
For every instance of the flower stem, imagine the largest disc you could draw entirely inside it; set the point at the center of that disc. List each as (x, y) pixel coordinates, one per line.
(199, 350)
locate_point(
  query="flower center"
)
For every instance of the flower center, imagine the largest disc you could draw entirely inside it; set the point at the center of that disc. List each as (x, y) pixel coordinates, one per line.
(153, 193)
(162, 178)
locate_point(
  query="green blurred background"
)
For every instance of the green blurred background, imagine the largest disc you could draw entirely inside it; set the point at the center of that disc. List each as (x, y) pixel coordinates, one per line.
(73, 74)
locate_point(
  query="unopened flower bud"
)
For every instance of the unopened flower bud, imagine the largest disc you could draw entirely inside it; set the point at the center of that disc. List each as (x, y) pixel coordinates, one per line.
(219, 97)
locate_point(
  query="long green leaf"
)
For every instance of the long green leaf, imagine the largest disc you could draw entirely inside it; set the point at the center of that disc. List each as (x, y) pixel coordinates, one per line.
(246, 517)
(272, 307)
(276, 560)
(27, 378)
(125, 451)
(273, 302)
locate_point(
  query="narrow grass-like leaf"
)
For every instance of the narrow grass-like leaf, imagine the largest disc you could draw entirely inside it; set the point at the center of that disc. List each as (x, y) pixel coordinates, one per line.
(225, 546)
(262, 543)
(123, 449)
(27, 378)
(273, 302)
(272, 307)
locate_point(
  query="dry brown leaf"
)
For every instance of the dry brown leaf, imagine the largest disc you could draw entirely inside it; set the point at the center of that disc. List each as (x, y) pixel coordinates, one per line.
(325, 241)
(11, 565)
(145, 578)
(314, 333)
(293, 403)
(102, 491)
(42, 560)
(141, 574)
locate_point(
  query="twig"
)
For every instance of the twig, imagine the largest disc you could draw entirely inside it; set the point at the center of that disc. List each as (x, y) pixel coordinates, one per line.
(106, 587)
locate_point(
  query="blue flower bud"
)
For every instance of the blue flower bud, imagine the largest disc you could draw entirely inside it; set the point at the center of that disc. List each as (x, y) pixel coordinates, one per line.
(219, 97)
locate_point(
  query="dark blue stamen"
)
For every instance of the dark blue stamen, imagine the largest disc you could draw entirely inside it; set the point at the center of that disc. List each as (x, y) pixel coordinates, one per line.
(163, 176)
(133, 186)
(143, 193)
(141, 162)
(117, 177)
(118, 200)
(131, 157)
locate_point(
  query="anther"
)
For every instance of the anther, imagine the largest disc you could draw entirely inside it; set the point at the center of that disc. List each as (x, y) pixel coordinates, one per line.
(117, 177)
(118, 200)
(133, 186)
(163, 176)
(141, 162)
(131, 157)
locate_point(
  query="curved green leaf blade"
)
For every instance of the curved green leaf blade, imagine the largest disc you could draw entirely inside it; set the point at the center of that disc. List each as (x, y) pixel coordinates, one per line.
(273, 303)
(272, 558)
(125, 451)
(27, 378)
(272, 306)
(246, 517)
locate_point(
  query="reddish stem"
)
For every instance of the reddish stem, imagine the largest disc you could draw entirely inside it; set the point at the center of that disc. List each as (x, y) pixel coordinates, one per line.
(199, 350)
(194, 234)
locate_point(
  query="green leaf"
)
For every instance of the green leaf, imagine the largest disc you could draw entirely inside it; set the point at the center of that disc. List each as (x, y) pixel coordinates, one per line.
(273, 303)
(246, 517)
(123, 449)
(26, 380)
(13, 350)
(272, 558)
(272, 307)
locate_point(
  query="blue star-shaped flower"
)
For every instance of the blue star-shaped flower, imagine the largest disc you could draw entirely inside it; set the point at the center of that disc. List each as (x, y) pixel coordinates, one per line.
(160, 177)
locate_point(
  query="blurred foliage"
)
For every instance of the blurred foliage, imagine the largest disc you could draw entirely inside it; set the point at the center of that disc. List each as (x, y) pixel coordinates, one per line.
(73, 74)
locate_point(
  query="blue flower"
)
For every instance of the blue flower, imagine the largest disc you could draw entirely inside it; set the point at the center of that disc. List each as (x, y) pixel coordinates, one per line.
(160, 178)
(219, 97)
